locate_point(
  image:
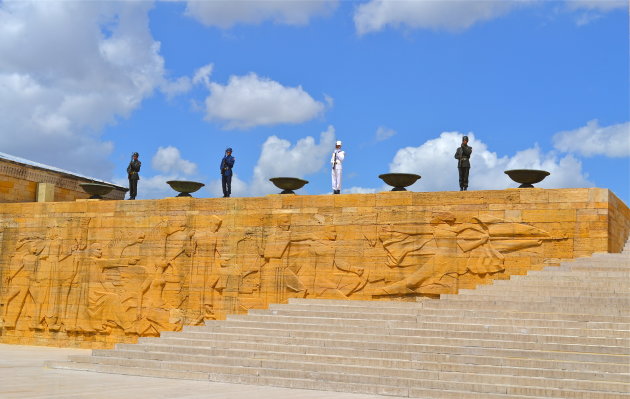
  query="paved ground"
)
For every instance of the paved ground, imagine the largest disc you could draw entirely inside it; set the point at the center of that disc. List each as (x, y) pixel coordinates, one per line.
(23, 375)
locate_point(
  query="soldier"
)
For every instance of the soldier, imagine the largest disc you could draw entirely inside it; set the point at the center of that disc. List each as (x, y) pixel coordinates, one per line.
(463, 165)
(227, 163)
(132, 174)
(336, 160)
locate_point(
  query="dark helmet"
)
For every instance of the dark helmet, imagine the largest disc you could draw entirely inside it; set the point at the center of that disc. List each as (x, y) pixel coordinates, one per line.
(135, 154)
(229, 149)
(465, 138)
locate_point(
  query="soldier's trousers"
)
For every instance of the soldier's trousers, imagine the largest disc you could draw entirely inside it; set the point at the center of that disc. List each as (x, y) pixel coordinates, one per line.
(133, 188)
(226, 182)
(336, 179)
(463, 178)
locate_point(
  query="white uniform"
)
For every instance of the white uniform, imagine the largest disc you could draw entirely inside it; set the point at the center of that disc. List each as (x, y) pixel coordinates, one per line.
(336, 161)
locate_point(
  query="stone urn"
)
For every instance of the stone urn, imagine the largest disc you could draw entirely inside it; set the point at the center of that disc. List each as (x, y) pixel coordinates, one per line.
(399, 180)
(96, 190)
(527, 177)
(184, 187)
(288, 184)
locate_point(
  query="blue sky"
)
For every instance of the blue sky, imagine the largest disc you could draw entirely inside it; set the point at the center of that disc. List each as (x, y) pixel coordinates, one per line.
(535, 84)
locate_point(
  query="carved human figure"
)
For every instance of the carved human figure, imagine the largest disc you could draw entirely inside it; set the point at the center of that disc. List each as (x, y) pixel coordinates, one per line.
(437, 270)
(107, 306)
(331, 278)
(154, 313)
(22, 281)
(70, 265)
(212, 279)
(280, 268)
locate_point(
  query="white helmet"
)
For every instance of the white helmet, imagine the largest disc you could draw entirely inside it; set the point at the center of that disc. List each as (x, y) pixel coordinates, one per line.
(338, 143)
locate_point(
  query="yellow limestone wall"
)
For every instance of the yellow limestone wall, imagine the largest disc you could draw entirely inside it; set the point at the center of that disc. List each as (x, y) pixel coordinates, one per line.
(93, 273)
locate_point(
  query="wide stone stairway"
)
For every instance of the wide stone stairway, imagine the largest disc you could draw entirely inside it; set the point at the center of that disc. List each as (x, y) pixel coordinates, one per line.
(562, 332)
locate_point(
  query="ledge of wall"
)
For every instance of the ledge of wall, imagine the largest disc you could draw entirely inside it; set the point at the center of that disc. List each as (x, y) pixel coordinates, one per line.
(18, 183)
(94, 273)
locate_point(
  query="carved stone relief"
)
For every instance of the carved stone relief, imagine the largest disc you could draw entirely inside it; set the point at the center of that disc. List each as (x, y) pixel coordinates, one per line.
(80, 280)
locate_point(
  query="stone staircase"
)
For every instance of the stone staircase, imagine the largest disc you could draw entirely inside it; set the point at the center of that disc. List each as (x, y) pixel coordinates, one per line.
(563, 332)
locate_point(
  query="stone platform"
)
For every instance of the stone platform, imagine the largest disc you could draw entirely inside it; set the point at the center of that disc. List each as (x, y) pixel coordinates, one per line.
(24, 376)
(95, 273)
(563, 332)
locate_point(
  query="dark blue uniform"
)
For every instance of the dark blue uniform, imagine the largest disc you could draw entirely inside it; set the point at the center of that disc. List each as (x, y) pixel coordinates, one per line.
(227, 163)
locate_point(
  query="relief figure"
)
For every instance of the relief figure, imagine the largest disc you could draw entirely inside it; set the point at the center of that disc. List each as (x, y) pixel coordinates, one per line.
(22, 282)
(481, 241)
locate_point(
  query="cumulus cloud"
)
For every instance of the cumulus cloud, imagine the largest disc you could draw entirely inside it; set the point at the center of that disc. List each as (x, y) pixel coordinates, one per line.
(239, 187)
(458, 15)
(225, 14)
(168, 159)
(455, 15)
(299, 160)
(67, 69)
(592, 139)
(434, 161)
(383, 133)
(248, 101)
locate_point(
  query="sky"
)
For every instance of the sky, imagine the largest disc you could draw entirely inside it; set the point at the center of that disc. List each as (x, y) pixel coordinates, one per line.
(535, 84)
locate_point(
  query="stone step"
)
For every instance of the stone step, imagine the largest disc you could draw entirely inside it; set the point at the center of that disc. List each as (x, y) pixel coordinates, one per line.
(402, 351)
(531, 368)
(513, 392)
(410, 343)
(324, 324)
(548, 283)
(407, 369)
(562, 276)
(576, 329)
(429, 313)
(297, 383)
(259, 348)
(533, 292)
(232, 356)
(563, 308)
(620, 300)
(144, 372)
(602, 257)
(391, 377)
(560, 332)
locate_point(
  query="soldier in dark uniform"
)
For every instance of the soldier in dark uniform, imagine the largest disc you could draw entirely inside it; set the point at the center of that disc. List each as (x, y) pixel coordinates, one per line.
(132, 173)
(227, 163)
(463, 165)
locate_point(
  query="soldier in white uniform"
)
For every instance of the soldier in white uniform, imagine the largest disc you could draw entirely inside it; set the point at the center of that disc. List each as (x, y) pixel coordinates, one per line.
(336, 160)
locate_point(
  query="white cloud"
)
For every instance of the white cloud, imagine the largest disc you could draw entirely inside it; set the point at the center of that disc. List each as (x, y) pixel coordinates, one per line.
(361, 190)
(279, 158)
(458, 15)
(592, 139)
(455, 15)
(383, 133)
(434, 161)
(239, 187)
(592, 10)
(225, 14)
(202, 75)
(597, 5)
(67, 69)
(248, 101)
(179, 86)
(168, 159)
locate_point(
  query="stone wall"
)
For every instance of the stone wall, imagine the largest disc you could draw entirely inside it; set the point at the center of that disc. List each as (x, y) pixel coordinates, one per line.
(18, 183)
(93, 273)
